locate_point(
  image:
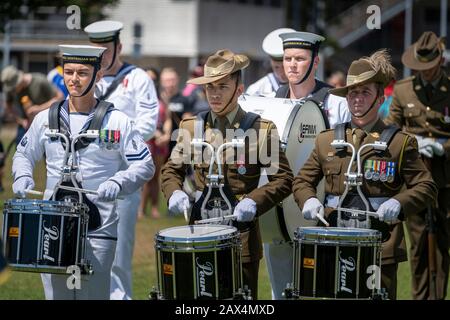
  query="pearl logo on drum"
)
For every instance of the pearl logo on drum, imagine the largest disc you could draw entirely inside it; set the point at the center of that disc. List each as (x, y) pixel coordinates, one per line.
(345, 265)
(307, 131)
(51, 234)
(203, 271)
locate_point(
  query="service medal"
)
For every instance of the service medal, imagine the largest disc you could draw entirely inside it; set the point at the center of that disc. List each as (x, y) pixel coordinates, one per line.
(242, 169)
(376, 176)
(368, 174)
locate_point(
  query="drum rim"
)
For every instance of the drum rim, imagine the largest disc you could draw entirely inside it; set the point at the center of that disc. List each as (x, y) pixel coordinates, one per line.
(43, 202)
(160, 238)
(336, 233)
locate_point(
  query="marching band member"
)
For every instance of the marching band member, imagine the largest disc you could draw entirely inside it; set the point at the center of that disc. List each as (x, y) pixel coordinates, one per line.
(385, 173)
(131, 91)
(421, 104)
(99, 166)
(268, 85)
(223, 85)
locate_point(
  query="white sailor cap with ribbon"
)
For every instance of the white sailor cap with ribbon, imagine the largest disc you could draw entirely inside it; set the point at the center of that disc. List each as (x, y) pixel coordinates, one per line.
(301, 40)
(273, 45)
(104, 31)
(81, 54)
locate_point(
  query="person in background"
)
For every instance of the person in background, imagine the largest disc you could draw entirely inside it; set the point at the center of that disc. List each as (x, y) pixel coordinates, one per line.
(268, 85)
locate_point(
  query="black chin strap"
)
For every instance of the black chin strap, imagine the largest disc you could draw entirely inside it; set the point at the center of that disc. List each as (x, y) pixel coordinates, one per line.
(315, 51)
(231, 98)
(114, 55)
(370, 108)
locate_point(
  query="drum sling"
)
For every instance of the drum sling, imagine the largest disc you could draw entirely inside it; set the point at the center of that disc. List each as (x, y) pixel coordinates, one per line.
(245, 124)
(100, 112)
(353, 200)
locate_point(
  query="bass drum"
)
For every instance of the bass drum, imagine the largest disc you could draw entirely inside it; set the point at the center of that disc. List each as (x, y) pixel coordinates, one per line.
(298, 123)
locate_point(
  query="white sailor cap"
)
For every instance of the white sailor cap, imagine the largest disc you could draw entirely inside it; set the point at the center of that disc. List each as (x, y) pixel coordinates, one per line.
(302, 40)
(103, 31)
(81, 54)
(273, 45)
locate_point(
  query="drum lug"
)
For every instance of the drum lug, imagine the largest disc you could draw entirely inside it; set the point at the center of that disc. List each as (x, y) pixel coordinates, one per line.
(381, 294)
(289, 293)
(245, 294)
(154, 294)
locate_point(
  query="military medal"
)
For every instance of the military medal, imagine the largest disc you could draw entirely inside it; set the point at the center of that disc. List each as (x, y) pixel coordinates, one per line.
(391, 172)
(368, 169)
(383, 176)
(376, 173)
(109, 139)
(241, 165)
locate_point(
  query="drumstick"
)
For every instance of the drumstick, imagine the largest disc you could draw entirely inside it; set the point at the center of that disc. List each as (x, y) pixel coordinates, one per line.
(83, 190)
(218, 219)
(186, 214)
(35, 192)
(323, 220)
(369, 213)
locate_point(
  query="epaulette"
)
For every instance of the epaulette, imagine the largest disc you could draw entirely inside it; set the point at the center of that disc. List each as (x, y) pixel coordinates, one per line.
(405, 80)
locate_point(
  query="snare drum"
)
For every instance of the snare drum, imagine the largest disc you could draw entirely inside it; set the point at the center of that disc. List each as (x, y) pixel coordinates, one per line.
(199, 262)
(45, 236)
(298, 124)
(336, 263)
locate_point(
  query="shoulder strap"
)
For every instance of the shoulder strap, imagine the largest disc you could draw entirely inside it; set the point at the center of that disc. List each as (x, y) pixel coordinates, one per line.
(388, 133)
(53, 117)
(117, 80)
(199, 124)
(248, 121)
(319, 96)
(96, 123)
(282, 91)
(339, 134)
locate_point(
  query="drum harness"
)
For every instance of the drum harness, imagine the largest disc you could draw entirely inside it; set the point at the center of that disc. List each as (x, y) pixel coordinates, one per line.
(68, 186)
(215, 187)
(355, 179)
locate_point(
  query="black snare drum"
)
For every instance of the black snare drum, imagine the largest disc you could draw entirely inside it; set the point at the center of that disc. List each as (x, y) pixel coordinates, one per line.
(199, 262)
(45, 236)
(336, 263)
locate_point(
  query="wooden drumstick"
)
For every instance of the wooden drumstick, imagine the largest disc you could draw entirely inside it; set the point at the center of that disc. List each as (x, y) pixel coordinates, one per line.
(323, 220)
(218, 219)
(35, 192)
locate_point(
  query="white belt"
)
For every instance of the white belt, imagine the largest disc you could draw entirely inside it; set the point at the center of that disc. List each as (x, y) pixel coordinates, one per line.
(332, 201)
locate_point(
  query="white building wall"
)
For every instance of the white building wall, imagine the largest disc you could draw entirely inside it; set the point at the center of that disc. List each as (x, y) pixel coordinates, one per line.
(169, 27)
(238, 27)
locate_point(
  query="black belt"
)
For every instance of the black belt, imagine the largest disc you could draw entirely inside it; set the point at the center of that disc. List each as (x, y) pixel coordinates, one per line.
(103, 237)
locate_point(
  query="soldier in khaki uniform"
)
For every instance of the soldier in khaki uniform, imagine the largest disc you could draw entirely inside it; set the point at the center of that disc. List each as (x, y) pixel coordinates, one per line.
(223, 85)
(421, 106)
(398, 165)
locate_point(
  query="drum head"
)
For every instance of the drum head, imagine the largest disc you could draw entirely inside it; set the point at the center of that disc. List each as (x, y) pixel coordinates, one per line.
(307, 123)
(332, 233)
(298, 125)
(196, 233)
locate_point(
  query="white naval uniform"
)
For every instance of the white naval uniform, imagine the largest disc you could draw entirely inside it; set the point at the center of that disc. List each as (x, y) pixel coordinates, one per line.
(96, 164)
(279, 256)
(136, 97)
(267, 86)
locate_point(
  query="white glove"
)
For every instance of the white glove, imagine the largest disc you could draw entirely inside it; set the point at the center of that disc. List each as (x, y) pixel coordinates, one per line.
(179, 201)
(312, 208)
(426, 146)
(108, 191)
(389, 210)
(20, 185)
(245, 210)
(438, 149)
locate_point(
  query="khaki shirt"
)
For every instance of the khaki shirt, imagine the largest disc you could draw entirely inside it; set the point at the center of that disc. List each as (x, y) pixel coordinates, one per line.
(241, 184)
(326, 162)
(411, 110)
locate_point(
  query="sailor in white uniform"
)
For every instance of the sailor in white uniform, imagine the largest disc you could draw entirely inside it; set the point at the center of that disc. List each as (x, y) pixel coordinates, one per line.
(98, 164)
(131, 91)
(268, 85)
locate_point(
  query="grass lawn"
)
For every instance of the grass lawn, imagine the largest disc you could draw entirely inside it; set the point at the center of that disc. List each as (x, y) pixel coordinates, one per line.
(28, 285)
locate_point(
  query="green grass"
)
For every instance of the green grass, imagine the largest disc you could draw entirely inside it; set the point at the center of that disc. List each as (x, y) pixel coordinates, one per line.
(26, 286)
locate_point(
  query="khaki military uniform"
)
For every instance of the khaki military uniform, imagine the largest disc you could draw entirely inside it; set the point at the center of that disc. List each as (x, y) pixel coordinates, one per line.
(241, 184)
(325, 161)
(412, 110)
